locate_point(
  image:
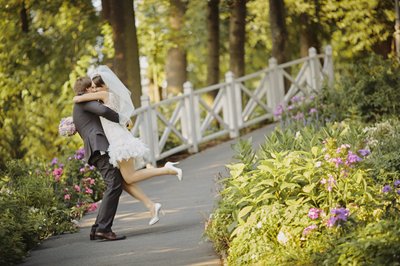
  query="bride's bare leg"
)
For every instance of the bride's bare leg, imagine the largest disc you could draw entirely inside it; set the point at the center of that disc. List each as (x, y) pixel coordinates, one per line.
(132, 176)
(136, 192)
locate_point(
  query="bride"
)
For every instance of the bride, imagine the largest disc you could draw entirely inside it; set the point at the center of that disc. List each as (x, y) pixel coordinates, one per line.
(126, 152)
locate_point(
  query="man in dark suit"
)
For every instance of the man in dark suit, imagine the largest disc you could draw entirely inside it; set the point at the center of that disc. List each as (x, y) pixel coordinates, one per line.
(87, 122)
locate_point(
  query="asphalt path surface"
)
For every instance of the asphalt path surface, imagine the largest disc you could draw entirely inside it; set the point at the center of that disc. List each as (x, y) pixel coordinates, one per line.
(177, 239)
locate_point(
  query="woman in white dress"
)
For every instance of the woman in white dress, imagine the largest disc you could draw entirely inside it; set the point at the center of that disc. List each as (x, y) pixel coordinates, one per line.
(126, 152)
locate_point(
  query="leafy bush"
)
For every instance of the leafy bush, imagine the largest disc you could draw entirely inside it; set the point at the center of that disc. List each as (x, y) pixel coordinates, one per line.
(302, 193)
(37, 201)
(77, 185)
(368, 91)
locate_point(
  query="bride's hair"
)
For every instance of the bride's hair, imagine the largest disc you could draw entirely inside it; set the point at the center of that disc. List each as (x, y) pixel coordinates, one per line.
(98, 81)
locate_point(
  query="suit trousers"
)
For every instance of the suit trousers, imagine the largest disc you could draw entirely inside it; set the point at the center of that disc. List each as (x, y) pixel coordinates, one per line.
(113, 180)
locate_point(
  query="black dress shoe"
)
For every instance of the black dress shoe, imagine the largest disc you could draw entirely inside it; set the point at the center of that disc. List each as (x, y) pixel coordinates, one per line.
(108, 236)
(93, 231)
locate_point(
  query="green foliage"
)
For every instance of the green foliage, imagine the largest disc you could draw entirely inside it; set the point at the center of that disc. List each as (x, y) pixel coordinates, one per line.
(301, 195)
(383, 139)
(367, 91)
(37, 201)
(375, 244)
(36, 63)
(29, 211)
(360, 27)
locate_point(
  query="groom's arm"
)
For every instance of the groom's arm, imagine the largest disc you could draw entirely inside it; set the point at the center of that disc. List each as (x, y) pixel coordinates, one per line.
(101, 110)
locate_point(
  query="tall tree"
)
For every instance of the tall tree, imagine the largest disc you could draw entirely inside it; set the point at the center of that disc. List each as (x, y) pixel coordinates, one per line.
(213, 42)
(278, 29)
(237, 37)
(176, 64)
(309, 30)
(121, 16)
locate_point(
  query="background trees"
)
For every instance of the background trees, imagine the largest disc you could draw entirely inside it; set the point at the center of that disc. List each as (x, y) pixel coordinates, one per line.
(44, 48)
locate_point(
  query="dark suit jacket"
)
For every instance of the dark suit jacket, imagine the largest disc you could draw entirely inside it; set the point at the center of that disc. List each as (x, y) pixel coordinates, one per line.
(87, 122)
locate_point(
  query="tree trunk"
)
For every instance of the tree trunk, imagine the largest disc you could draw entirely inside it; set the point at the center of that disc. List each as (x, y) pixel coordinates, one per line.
(278, 29)
(121, 16)
(176, 56)
(308, 35)
(237, 23)
(24, 18)
(309, 31)
(213, 42)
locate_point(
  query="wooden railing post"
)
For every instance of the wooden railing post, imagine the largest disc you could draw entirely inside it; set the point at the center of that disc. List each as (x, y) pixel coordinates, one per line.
(315, 70)
(230, 109)
(190, 118)
(276, 91)
(148, 129)
(328, 65)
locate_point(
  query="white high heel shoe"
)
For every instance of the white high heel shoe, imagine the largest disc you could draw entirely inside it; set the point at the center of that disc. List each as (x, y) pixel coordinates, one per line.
(155, 218)
(178, 171)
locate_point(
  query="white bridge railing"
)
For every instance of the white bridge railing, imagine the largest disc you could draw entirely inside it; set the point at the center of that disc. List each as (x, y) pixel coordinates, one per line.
(183, 122)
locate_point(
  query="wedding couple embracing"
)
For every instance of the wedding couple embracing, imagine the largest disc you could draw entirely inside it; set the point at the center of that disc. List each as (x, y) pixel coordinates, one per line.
(101, 114)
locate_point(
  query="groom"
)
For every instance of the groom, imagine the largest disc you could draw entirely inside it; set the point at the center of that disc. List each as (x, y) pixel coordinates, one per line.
(87, 123)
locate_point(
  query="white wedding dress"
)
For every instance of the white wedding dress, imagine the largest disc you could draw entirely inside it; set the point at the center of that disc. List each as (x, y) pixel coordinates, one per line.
(123, 145)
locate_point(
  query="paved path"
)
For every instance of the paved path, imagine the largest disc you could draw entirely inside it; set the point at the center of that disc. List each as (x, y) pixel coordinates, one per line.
(175, 240)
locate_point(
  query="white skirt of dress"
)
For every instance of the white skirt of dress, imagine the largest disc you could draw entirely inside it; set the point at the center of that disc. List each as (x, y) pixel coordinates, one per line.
(123, 145)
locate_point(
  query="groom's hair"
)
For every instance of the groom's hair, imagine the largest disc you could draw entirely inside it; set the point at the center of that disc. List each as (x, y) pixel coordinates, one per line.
(81, 84)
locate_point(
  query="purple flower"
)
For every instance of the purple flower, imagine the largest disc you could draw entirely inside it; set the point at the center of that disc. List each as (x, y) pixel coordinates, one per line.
(396, 183)
(295, 99)
(79, 154)
(364, 152)
(331, 221)
(398, 192)
(279, 110)
(299, 116)
(340, 213)
(313, 110)
(54, 161)
(386, 189)
(313, 213)
(308, 229)
(352, 158)
(337, 161)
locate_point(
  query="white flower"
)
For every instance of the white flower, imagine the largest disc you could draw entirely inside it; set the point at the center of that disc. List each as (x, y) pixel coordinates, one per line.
(298, 135)
(318, 164)
(282, 238)
(259, 225)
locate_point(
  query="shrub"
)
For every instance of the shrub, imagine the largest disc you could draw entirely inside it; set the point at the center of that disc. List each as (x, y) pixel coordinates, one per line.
(368, 91)
(302, 193)
(37, 201)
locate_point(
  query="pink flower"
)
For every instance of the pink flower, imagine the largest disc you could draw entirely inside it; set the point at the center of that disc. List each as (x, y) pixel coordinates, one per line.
(77, 188)
(57, 172)
(313, 213)
(67, 197)
(308, 229)
(91, 181)
(88, 190)
(92, 207)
